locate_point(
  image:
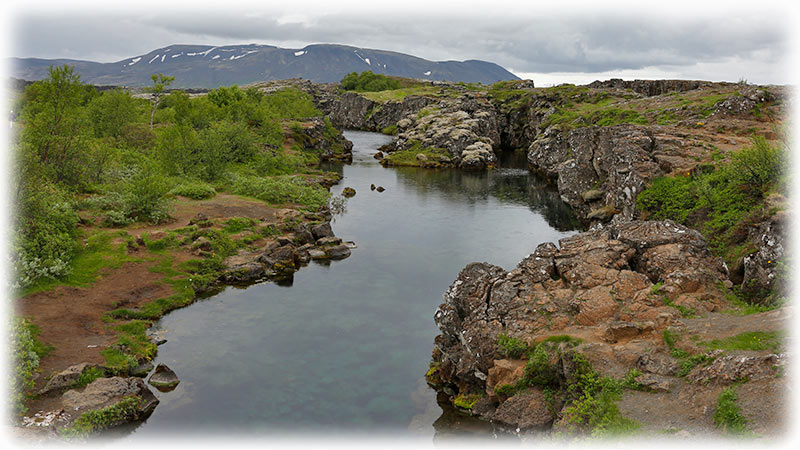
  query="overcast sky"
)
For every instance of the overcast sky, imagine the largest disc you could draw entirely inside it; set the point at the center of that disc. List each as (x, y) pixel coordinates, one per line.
(549, 42)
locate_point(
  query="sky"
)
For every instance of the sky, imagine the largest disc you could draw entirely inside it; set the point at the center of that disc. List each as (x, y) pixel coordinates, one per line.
(551, 43)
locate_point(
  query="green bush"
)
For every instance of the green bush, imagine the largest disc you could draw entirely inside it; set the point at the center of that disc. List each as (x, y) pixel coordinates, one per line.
(281, 190)
(27, 352)
(369, 82)
(195, 190)
(44, 240)
(511, 347)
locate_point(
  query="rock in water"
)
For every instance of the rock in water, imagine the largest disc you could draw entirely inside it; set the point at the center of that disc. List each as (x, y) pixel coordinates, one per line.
(380, 189)
(164, 379)
(348, 192)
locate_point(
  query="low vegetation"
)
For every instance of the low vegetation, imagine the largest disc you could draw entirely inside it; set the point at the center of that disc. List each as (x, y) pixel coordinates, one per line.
(722, 200)
(728, 416)
(28, 350)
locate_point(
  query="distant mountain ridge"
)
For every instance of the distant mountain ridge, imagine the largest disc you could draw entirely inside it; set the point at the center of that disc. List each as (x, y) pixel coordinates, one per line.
(205, 66)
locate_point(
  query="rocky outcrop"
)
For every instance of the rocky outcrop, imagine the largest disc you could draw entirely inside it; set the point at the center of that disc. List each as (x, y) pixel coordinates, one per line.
(66, 378)
(597, 281)
(465, 129)
(650, 87)
(106, 392)
(164, 379)
(315, 134)
(764, 272)
(599, 171)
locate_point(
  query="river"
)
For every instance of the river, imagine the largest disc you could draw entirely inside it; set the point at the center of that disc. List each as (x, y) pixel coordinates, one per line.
(343, 350)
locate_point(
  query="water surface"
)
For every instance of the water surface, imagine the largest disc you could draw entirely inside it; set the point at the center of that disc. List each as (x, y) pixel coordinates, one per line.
(345, 347)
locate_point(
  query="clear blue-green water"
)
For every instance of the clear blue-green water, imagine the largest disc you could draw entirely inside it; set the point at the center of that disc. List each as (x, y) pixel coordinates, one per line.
(345, 347)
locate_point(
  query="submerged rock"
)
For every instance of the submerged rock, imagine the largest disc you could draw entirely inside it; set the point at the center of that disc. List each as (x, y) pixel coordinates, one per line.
(164, 379)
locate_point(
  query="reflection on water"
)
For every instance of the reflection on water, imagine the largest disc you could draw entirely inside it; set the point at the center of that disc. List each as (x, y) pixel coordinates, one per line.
(343, 350)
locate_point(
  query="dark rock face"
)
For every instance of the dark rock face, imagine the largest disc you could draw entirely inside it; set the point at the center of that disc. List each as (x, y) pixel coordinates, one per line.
(322, 230)
(601, 279)
(762, 269)
(333, 146)
(650, 87)
(601, 170)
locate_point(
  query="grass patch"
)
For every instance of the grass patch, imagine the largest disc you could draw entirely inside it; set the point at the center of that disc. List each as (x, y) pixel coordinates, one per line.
(728, 416)
(98, 252)
(686, 361)
(752, 340)
(87, 377)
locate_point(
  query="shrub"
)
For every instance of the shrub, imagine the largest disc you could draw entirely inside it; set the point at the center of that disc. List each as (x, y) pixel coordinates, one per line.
(727, 416)
(45, 233)
(540, 371)
(195, 190)
(281, 190)
(760, 164)
(27, 352)
(511, 347)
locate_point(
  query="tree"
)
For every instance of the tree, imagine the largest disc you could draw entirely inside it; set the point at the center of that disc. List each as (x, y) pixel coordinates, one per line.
(157, 91)
(55, 123)
(111, 112)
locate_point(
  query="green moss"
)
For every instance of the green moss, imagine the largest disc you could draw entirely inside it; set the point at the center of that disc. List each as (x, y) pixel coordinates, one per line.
(433, 156)
(752, 340)
(506, 390)
(466, 401)
(390, 130)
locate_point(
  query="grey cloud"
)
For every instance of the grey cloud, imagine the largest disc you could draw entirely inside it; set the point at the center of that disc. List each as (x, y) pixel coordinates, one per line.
(522, 40)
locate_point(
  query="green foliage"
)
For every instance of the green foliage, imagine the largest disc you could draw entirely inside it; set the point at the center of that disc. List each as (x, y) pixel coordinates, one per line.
(506, 390)
(27, 351)
(540, 370)
(97, 420)
(752, 340)
(368, 82)
(237, 224)
(719, 202)
(111, 112)
(511, 347)
(157, 91)
(54, 125)
(390, 130)
(630, 380)
(728, 415)
(95, 252)
(282, 190)
(196, 190)
(44, 238)
(87, 376)
(594, 406)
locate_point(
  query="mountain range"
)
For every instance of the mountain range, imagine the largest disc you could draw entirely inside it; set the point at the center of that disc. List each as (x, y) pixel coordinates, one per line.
(205, 66)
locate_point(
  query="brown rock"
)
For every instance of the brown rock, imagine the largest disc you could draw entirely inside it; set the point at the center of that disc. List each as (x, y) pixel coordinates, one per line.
(504, 371)
(527, 411)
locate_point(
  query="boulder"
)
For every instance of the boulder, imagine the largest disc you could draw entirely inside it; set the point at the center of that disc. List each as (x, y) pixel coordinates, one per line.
(104, 392)
(322, 230)
(348, 192)
(338, 252)
(66, 378)
(525, 411)
(164, 379)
